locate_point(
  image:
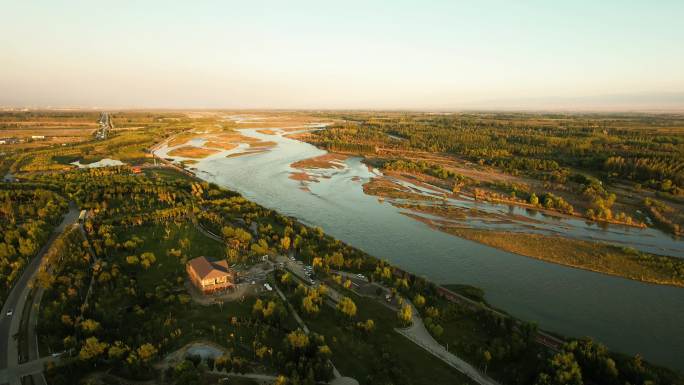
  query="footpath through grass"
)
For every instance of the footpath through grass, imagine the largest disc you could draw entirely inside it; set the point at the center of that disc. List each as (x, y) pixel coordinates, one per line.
(381, 354)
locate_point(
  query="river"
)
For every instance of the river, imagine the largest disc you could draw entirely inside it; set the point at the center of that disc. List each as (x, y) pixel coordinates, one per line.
(629, 316)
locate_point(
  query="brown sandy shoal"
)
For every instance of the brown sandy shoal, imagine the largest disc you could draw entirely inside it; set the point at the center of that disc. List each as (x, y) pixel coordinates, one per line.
(235, 137)
(259, 145)
(267, 132)
(301, 176)
(385, 188)
(237, 154)
(181, 139)
(329, 160)
(221, 145)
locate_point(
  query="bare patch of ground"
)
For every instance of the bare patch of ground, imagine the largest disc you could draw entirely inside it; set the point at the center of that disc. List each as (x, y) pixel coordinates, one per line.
(301, 176)
(326, 161)
(267, 132)
(262, 144)
(181, 139)
(237, 154)
(386, 188)
(221, 145)
(192, 152)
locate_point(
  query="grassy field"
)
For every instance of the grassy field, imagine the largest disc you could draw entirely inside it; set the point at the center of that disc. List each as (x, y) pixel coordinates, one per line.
(134, 133)
(594, 256)
(196, 321)
(57, 127)
(192, 152)
(369, 357)
(158, 242)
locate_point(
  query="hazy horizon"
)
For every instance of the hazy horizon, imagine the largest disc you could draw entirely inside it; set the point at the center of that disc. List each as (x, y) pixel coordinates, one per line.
(438, 55)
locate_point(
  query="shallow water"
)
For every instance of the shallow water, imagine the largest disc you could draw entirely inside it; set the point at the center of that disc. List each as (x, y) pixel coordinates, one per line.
(529, 220)
(204, 351)
(106, 162)
(629, 316)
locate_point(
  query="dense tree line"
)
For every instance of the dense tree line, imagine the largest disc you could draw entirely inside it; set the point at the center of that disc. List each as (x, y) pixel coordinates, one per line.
(145, 282)
(634, 147)
(422, 166)
(27, 217)
(587, 362)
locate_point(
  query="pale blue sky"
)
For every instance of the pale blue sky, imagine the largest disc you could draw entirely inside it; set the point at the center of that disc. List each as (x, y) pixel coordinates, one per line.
(344, 54)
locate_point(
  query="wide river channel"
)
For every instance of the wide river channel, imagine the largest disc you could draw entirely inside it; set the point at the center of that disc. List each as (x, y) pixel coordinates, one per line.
(628, 316)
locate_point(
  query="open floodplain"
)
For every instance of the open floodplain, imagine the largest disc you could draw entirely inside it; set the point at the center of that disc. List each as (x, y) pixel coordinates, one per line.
(630, 316)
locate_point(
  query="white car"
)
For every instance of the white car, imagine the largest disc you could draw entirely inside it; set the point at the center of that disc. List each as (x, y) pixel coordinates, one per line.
(10, 312)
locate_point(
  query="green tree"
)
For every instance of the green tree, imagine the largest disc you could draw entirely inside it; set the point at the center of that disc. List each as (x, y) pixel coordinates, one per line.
(562, 369)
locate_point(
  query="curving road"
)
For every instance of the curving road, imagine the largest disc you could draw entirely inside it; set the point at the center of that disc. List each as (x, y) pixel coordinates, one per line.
(9, 325)
(419, 335)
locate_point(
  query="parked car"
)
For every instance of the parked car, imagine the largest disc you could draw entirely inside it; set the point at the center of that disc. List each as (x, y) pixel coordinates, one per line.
(10, 312)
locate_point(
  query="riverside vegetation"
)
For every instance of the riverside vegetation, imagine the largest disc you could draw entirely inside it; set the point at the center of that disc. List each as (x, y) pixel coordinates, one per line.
(616, 169)
(142, 228)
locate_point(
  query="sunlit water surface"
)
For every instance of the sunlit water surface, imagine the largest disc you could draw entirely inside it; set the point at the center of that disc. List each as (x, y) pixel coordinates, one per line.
(628, 316)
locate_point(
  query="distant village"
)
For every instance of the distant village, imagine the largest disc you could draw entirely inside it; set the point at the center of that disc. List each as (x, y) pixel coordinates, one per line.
(15, 140)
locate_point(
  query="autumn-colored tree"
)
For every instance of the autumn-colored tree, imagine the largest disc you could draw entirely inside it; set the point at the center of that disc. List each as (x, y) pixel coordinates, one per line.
(92, 348)
(419, 301)
(337, 259)
(90, 326)
(347, 307)
(297, 340)
(309, 306)
(405, 314)
(146, 352)
(285, 243)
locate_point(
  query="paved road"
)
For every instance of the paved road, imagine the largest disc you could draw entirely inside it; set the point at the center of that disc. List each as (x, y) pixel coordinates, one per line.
(421, 337)
(105, 126)
(35, 368)
(293, 311)
(9, 326)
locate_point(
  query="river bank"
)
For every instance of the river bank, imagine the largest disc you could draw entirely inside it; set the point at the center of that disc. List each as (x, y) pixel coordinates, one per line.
(630, 316)
(598, 257)
(432, 208)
